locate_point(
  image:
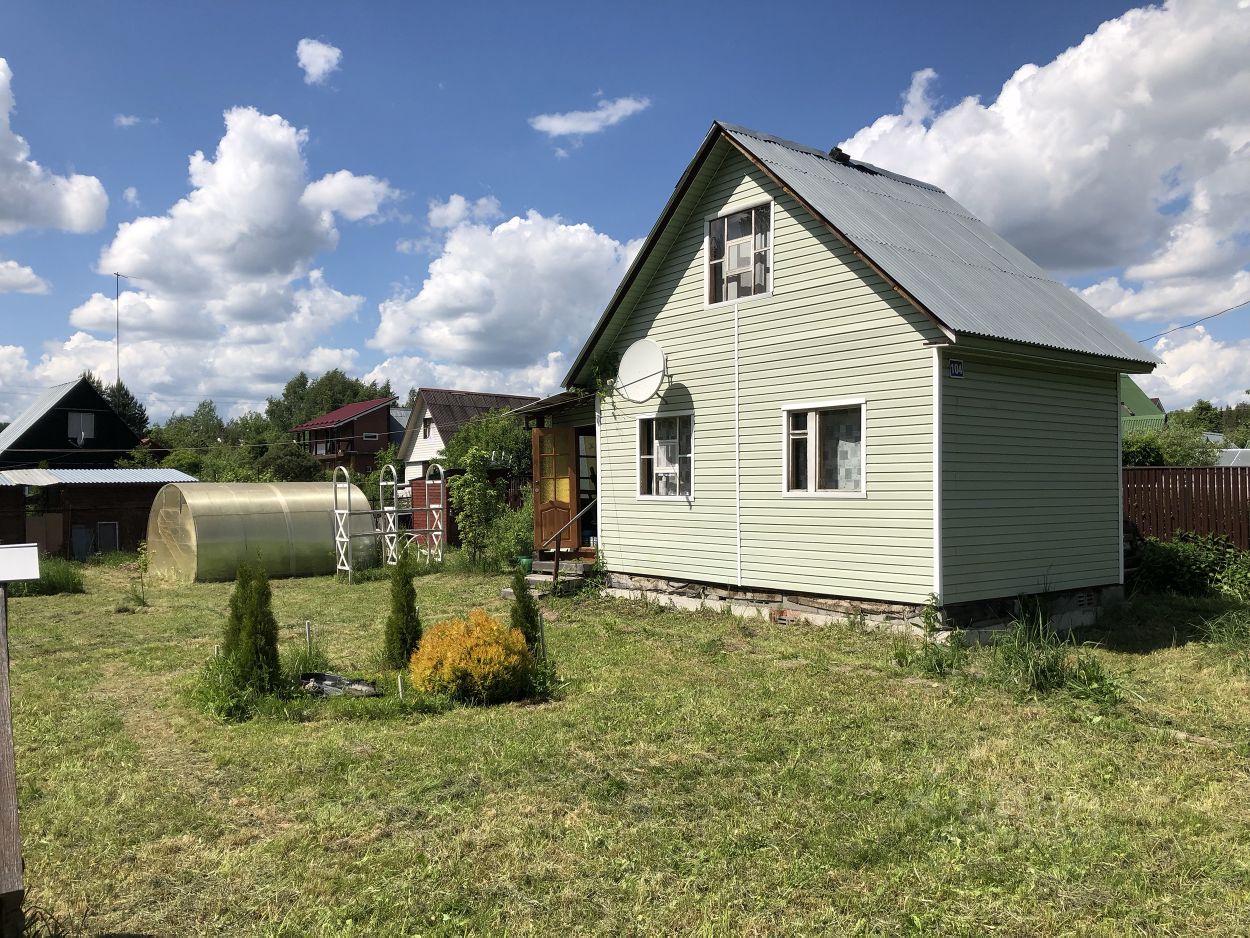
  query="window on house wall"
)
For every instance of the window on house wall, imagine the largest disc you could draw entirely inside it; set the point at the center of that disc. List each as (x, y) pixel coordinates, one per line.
(369, 436)
(426, 423)
(666, 456)
(740, 254)
(824, 452)
(81, 425)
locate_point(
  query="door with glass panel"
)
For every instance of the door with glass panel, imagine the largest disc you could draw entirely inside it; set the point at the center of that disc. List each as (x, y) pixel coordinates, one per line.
(554, 452)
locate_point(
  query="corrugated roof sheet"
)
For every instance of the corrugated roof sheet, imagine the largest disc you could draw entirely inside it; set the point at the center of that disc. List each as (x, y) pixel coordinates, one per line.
(451, 410)
(342, 414)
(1234, 457)
(935, 249)
(39, 477)
(27, 418)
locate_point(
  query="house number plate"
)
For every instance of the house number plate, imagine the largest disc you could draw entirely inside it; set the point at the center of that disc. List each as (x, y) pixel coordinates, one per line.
(955, 368)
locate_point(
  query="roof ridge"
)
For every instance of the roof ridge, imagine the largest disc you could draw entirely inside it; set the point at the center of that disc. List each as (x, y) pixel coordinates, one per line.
(824, 155)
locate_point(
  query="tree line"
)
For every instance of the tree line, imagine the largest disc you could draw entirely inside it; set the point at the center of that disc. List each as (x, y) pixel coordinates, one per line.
(1183, 439)
(253, 447)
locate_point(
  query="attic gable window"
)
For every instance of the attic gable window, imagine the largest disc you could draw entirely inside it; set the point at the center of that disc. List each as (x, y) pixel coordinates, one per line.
(740, 254)
(81, 425)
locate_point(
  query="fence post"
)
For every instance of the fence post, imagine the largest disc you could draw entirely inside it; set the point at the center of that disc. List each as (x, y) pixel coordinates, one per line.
(12, 888)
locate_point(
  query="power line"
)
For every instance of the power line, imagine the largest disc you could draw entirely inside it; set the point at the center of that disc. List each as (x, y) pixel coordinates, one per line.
(1196, 321)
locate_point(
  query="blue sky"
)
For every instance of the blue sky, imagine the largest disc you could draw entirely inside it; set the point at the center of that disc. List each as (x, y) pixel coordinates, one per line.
(270, 271)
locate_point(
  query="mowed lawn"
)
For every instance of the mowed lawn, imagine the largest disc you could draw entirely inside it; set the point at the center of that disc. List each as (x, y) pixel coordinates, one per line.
(698, 775)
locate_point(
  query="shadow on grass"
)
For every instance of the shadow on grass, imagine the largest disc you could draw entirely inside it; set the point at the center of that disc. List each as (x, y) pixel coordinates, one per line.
(1147, 622)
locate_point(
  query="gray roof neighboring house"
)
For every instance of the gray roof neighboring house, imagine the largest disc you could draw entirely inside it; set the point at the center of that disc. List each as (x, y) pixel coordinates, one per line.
(44, 402)
(930, 248)
(1234, 457)
(451, 410)
(42, 477)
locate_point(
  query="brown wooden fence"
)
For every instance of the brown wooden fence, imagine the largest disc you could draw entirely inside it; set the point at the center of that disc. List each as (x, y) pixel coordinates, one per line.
(1214, 500)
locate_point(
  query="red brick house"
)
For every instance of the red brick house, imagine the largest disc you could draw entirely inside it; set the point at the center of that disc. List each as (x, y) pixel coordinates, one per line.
(350, 435)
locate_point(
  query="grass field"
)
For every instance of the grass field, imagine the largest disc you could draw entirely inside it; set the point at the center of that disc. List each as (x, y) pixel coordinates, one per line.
(699, 774)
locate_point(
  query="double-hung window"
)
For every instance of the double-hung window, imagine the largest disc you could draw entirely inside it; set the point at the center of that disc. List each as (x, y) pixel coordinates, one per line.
(824, 448)
(666, 456)
(740, 254)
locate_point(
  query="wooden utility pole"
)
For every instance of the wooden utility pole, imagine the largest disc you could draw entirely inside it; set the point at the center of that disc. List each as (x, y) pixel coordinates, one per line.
(11, 888)
(17, 562)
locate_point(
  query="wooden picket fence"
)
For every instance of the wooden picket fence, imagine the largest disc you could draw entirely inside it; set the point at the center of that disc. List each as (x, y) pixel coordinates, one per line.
(1211, 500)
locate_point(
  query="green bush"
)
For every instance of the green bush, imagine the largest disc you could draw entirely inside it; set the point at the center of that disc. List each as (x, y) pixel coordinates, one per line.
(250, 639)
(512, 534)
(1193, 565)
(525, 616)
(222, 693)
(56, 575)
(403, 624)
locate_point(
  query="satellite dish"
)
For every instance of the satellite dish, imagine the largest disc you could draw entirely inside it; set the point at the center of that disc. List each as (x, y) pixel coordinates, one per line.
(642, 369)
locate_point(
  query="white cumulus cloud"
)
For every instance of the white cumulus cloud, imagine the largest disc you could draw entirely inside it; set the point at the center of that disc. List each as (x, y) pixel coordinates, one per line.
(457, 210)
(225, 298)
(501, 298)
(14, 278)
(1196, 364)
(1129, 151)
(579, 123)
(317, 59)
(131, 196)
(30, 195)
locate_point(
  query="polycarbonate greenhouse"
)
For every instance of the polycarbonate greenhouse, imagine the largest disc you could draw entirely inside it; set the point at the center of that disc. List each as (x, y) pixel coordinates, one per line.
(202, 531)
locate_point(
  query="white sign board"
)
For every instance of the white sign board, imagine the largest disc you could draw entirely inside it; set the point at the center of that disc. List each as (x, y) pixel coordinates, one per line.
(19, 562)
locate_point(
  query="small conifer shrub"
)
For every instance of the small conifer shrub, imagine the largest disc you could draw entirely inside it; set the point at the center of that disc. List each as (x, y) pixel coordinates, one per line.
(476, 660)
(526, 618)
(403, 624)
(250, 638)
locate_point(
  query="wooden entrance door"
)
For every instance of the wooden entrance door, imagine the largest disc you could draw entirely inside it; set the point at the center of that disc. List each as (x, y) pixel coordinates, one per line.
(555, 483)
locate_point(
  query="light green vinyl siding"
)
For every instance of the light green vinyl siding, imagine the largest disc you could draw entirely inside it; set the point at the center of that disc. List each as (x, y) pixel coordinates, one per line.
(1031, 478)
(831, 329)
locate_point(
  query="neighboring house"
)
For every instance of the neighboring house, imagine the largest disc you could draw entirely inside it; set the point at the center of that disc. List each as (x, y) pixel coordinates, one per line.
(69, 425)
(1138, 412)
(79, 512)
(869, 399)
(437, 414)
(350, 435)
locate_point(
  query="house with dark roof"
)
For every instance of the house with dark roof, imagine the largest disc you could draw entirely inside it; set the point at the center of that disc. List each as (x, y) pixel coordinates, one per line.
(836, 390)
(437, 414)
(69, 425)
(351, 435)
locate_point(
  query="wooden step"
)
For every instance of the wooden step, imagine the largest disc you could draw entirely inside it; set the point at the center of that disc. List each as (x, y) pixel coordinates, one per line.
(573, 567)
(541, 582)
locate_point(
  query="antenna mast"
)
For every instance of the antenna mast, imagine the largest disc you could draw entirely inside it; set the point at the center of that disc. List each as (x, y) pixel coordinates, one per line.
(117, 316)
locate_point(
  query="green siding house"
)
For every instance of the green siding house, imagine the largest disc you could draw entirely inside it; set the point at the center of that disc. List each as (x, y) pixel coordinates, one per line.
(1138, 412)
(868, 399)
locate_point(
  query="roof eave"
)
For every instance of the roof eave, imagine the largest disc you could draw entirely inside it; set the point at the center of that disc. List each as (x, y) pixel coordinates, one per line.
(679, 191)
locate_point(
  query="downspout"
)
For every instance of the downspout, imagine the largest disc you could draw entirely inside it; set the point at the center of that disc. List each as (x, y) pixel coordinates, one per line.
(937, 474)
(737, 458)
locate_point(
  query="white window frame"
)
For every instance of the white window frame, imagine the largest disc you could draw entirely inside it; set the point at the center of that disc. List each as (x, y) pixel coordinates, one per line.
(638, 496)
(734, 209)
(813, 448)
(368, 436)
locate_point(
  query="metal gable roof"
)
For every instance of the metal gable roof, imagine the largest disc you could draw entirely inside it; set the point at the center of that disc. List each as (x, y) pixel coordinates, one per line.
(451, 409)
(343, 414)
(963, 273)
(40, 477)
(31, 415)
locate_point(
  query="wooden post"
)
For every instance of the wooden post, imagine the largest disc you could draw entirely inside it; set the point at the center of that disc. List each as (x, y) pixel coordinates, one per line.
(11, 887)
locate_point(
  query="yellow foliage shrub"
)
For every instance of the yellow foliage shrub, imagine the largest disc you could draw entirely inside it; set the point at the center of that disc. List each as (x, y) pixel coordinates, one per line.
(478, 659)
